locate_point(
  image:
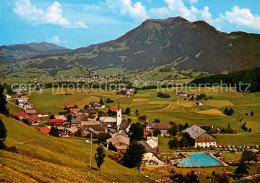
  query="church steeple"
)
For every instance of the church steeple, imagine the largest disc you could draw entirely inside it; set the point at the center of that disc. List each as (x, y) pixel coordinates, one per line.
(118, 115)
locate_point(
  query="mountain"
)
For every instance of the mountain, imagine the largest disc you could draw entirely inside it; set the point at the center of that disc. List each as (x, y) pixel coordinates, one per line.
(187, 44)
(13, 53)
(174, 41)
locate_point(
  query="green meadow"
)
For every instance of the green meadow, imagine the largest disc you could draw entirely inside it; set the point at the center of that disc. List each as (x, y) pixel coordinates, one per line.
(43, 158)
(174, 108)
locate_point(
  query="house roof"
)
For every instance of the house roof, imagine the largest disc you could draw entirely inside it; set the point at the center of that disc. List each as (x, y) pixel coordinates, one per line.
(161, 126)
(119, 138)
(194, 131)
(45, 130)
(30, 111)
(21, 114)
(56, 121)
(147, 146)
(94, 127)
(34, 118)
(124, 124)
(108, 120)
(72, 129)
(76, 120)
(113, 109)
(92, 110)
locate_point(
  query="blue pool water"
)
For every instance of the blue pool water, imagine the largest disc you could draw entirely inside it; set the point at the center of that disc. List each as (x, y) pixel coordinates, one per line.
(199, 160)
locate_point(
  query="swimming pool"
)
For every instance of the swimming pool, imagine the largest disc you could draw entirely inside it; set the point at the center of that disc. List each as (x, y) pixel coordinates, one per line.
(199, 160)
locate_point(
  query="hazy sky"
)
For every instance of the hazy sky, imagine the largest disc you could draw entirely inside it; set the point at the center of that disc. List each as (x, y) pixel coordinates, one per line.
(79, 23)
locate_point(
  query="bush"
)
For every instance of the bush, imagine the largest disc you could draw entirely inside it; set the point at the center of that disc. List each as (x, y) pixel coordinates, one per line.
(163, 95)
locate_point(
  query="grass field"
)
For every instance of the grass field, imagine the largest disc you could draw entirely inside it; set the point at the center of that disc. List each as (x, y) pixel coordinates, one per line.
(173, 109)
(43, 158)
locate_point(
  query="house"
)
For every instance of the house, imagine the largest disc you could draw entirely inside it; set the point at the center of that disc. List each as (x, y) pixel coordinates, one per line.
(92, 111)
(163, 127)
(152, 141)
(8, 96)
(96, 129)
(20, 115)
(108, 121)
(76, 120)
(42, 114)
(69, 132)
(45, 130)
(148, 148)
(56, 122)
(30, 112)
(28, 105)
(113, 109)
(96, 105)
(200, 136)
(60, 117)
(182, 93)
(74, 110)
(199, 103)
(124, 125)
(34, 120)
(119, 141)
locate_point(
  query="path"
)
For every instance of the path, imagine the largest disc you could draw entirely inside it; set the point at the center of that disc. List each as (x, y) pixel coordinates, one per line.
(162, 108)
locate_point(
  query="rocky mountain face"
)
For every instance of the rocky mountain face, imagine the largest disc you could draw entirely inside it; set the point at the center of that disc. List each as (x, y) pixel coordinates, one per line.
(174, 41)
(13, 53)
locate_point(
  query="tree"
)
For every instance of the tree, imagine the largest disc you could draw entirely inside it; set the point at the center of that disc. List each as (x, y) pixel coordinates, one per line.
(142, 118)
(174, 143)
(78, 133)
(3, 108)
(69, 118)
(192, 177)
(249, 156)
(186, 140)
(157, 132)
(156, 120)
(102, 137)
(173, 130)
(52, 117)
(3, 134)
(100, 156)
(136, 131)
(252, 113)
(54, 132)
(133, 155)
(101, 101)
(111, 147)
(223, 178)
(241, 169)
(128, 110)
(86, 107)
(136, 112)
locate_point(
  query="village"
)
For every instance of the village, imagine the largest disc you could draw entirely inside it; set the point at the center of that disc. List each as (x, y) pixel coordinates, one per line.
(193, 146)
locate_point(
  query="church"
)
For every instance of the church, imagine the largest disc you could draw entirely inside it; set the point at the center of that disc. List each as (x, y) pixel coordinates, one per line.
(113, 122)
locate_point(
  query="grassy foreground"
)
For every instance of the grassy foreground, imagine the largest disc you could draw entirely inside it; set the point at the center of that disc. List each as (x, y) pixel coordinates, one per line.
(43, 158)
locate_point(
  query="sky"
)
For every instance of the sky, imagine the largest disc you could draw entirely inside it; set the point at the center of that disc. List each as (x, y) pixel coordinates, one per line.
(79, 23)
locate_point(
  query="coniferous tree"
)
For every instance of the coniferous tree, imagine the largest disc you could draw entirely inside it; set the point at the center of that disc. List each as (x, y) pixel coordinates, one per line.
(54, 132)
(100, 156)
(3, 108)
(3, 134)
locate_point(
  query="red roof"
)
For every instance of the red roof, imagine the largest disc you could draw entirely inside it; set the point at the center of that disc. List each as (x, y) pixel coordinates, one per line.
(45, 130)
(34, 118)
(74, 109)
(113, 109)
(56, 121)
(21, 115)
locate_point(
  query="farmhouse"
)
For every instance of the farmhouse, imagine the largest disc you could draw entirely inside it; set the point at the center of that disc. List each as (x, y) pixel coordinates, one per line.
(69, 132)
(34, 120)
(30, 112)
(119, 141)
(182, 93)
(163, 127)
(45, 130)
(20, 115)
(200, 136)
(96, 105)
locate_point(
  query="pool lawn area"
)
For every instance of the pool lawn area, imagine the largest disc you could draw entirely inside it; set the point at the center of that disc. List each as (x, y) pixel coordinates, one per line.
(199, 160)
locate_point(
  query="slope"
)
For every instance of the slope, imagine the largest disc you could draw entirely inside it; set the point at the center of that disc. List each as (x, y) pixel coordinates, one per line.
(44, 158)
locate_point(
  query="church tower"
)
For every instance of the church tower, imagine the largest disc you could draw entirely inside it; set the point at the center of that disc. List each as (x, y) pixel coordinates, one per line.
(119, 116)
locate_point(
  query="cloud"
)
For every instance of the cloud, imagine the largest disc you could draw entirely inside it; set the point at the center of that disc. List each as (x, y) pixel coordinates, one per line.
(193, 1)
(241, 17)
(126, 7)
(56, 40)
(178, 8)
(53, 15)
